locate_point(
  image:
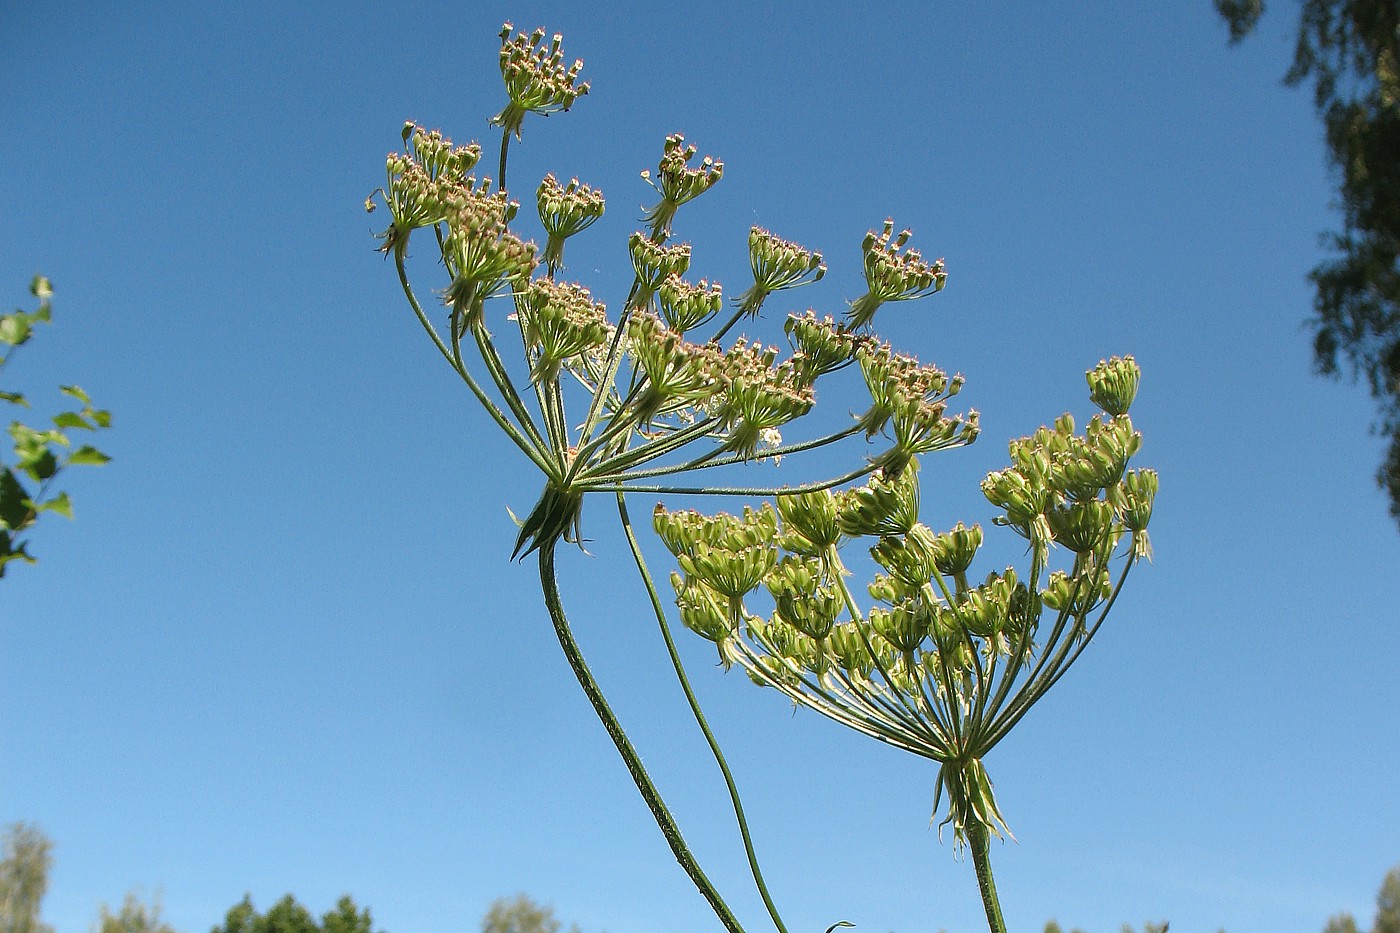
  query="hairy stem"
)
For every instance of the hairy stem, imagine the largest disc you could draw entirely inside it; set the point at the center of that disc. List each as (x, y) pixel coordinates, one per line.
(699, 716)
(659, 811)
(979, 839)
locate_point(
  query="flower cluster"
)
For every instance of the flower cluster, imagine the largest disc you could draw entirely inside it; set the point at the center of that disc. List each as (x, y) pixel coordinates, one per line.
(559, 322)
(941, 665)
(564, 211)
(686, 306)
(944, 662)
(893, 276)
(677, 182)
(483, 256)
(536, 79)
(777, 264)
(422, 182)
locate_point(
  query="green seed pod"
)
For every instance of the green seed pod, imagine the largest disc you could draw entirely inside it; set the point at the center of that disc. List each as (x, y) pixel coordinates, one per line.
(849, 651)
(777, 264)
(883, 506)
(823, 344)
(702, 610)
(905, 625)
(1081, 526)
(802, 597)
(1113, 384)
(678, 183)
(893, 276)
(535, 77)
(812, 515)
(910, 558)
(1012, 491)
(655, 264)
(1077, 595)
(686, 306)
(953, 550)
(1139, 492)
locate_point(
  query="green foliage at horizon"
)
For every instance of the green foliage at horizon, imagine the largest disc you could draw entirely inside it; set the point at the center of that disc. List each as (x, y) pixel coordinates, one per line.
(40, 454)
(289, 916)
(134, 916)
(1350, 51)
(521, 914)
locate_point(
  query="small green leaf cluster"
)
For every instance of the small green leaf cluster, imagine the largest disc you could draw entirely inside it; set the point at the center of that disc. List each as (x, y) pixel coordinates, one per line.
(40, 454)
(943, 664)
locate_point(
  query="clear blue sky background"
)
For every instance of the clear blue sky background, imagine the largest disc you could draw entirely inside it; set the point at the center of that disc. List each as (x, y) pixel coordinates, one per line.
(281, 647)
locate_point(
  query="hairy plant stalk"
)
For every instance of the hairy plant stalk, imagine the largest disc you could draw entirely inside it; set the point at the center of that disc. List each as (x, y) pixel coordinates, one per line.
(700, 720)
(659, 811)
(979, 840)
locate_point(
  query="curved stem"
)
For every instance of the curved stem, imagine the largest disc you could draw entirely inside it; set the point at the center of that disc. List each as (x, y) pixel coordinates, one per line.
(650, 794)
(699, 716)
(979, 839)
(505, 145)
(536, 455)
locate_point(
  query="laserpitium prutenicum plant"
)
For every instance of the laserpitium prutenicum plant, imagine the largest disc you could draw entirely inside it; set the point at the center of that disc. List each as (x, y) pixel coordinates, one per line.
(943, 664)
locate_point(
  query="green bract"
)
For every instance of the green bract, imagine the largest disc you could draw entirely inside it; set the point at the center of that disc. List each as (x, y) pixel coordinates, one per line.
(639, 403)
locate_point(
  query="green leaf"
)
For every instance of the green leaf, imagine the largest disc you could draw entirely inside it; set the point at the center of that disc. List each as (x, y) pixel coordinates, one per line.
(71, 419)
(16, 398)
(14, 513)
(76, 393)
(102, 418)
(18, 553)
(14, 328)
(41, 467)
(87, 456)
(60, 504)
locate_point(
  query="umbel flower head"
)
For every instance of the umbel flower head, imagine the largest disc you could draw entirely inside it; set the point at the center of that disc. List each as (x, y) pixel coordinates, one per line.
(564, 211)
(559, 322)
(482, 254)
(422, 182)
(536, 78)
(942, 665)
(678, 182)
(777, 264)
(893, 276)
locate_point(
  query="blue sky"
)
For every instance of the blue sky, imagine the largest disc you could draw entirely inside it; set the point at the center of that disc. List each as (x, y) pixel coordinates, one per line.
(282, 648)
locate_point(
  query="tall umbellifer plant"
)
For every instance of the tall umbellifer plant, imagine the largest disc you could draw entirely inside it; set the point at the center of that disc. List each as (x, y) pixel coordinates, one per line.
(945, 662)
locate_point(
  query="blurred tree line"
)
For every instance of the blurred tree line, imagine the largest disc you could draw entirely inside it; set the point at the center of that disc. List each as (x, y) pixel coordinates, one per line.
(26, 856)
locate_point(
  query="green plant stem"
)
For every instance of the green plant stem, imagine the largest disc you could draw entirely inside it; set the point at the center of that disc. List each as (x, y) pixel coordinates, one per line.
(650, 794)
(699, 716)
(979, 839)
(505, 146)
(536, 455)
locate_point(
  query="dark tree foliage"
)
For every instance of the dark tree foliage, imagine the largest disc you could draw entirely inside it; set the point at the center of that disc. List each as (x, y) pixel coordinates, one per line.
(288, 916)
(1350, 50)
